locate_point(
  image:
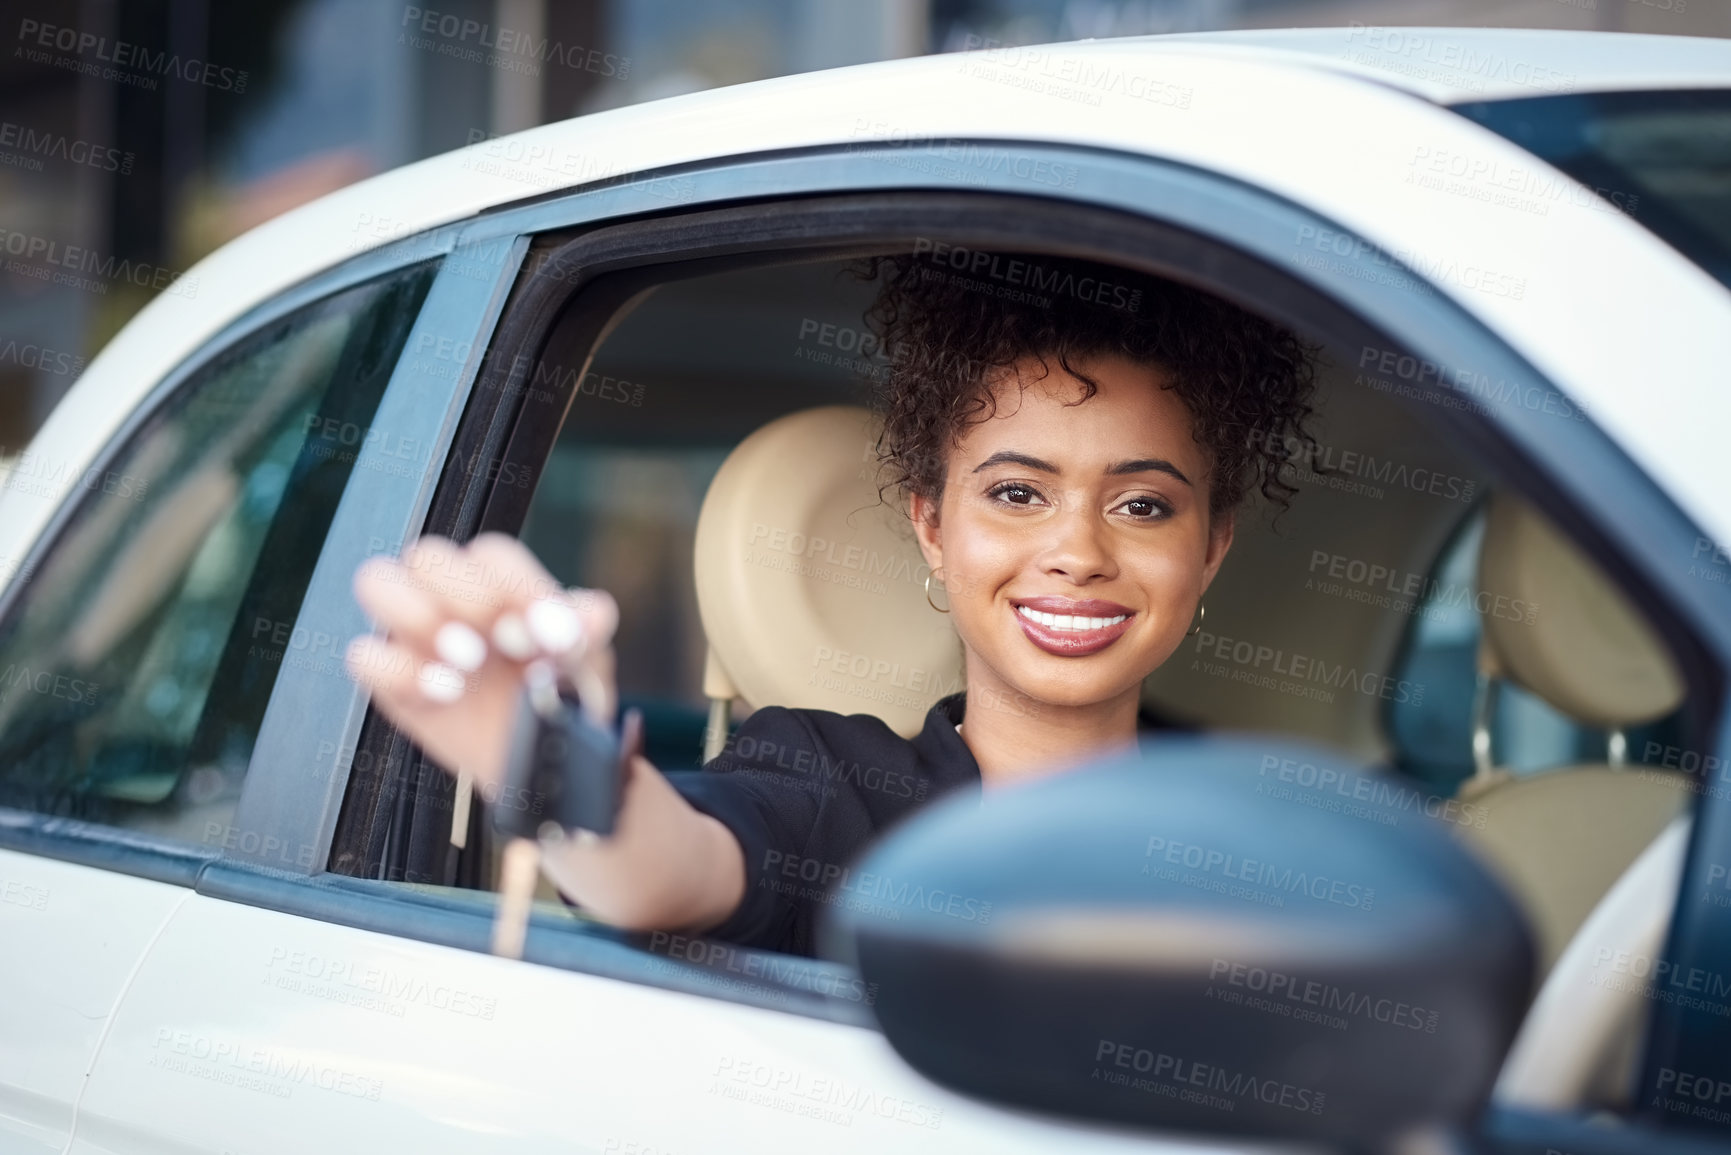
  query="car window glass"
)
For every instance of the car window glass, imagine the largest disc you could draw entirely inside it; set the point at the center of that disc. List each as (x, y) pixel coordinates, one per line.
(136, 663)
(1658, 157)
(1433, 738)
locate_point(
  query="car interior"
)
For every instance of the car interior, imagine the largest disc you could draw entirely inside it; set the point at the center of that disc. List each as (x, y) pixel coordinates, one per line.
(716, 472)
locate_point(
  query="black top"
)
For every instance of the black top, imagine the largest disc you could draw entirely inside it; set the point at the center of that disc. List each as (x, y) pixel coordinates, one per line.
(806, 792)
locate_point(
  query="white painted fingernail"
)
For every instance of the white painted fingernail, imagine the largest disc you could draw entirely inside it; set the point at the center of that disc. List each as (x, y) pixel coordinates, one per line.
(555, 626)
(461, 646)
(440, 683)
(512, 638)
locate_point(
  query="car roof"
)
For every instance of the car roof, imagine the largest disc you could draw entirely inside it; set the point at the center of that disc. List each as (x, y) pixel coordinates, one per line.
(1280, 111)
(1454, 65)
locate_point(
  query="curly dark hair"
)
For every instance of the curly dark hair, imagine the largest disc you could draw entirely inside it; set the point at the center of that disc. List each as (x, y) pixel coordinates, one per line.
(950, 318)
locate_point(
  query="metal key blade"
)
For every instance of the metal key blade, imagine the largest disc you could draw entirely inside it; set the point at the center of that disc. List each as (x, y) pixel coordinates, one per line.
(461, 800)
(519, 867)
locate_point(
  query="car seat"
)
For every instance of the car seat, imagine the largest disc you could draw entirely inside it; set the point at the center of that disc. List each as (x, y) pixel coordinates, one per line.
(1560, 838)
(811, 587)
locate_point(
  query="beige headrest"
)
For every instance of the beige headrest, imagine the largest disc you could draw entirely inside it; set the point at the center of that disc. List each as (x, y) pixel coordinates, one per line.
(811, 588)
(1573, 639)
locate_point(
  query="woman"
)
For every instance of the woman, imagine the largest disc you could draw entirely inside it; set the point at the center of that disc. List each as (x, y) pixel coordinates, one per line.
(1070, 466)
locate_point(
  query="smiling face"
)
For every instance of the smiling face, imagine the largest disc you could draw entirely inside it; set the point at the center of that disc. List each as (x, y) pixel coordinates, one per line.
(1074, 540)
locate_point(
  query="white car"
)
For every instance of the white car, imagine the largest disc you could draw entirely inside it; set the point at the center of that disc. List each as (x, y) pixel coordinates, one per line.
(240, 914)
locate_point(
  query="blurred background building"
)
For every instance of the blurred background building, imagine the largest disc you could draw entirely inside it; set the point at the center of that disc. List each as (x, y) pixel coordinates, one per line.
(138, 135)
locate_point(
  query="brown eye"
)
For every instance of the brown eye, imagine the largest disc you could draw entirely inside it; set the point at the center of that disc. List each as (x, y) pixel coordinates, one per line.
(1146, 508)
(1015, 494)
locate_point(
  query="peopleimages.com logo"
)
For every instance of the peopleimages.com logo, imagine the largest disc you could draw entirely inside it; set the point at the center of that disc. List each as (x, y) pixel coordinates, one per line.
(45, 259)
(1338, 1003)
(130, 63)
(515, 50)
(987, 266)
(34, 144)
(1258, 872)
(1320, 463)
(1204, 1084)
(1328, 788)
(1402, 372)
(1289, 671)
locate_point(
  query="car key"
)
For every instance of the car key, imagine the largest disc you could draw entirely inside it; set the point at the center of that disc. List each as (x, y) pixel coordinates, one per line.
(564, 775)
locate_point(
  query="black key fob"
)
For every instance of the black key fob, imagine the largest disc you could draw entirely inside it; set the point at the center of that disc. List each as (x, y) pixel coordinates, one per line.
(564, 768)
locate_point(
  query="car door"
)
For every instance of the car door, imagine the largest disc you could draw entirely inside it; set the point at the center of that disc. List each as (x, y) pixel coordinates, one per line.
(331, 1018)
(138, 653)
(73, 935)
(286, 1005)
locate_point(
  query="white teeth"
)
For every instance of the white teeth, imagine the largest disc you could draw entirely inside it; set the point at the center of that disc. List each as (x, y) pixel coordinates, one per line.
(1069, 621)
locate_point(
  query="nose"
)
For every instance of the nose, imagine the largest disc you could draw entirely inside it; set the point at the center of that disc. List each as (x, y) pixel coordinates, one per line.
(1079, 547)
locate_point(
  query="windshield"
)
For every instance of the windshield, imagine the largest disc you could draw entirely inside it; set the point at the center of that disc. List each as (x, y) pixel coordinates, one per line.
(1662, 157)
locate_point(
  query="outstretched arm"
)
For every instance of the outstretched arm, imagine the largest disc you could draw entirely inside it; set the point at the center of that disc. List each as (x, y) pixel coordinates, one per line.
(461, 622)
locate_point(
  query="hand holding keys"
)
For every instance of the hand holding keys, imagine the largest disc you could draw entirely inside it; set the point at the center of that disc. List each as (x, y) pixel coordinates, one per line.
(566, 771)
(481, 640)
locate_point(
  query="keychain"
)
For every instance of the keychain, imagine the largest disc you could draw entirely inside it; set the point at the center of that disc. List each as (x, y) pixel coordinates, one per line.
(563, 776)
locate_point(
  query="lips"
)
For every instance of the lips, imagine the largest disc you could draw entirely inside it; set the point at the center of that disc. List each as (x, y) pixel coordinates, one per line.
(1072, 627)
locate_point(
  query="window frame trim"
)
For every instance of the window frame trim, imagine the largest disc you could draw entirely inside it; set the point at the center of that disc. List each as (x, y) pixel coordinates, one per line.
(283, 799)
(741, 975)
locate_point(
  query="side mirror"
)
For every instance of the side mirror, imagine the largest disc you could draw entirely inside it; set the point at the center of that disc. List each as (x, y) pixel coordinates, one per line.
(1218, 936)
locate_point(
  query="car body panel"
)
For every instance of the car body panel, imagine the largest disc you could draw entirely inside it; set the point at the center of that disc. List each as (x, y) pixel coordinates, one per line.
(1634, 331)
(294, 1033)
(1450, 65)
(397, 465)
(73, 937)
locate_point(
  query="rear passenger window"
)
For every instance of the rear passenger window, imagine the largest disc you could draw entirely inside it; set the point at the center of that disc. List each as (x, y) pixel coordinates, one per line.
(1433, 738)
(136, 662)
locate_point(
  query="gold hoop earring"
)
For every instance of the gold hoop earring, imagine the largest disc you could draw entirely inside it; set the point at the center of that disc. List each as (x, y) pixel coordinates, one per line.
(929, 601)
(1201, 612)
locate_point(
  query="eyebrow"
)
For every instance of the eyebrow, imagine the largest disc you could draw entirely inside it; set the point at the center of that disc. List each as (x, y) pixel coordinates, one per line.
(1137, 465)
